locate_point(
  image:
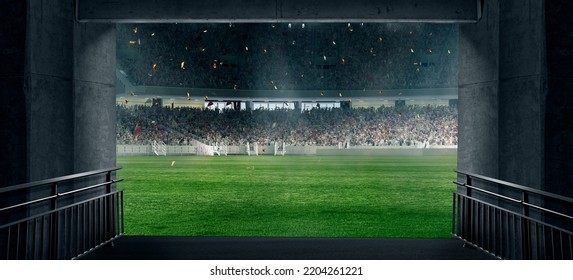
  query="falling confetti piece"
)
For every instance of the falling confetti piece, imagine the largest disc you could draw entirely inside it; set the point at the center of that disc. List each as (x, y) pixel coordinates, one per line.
(247, 48)
(203, 49)
(276, 87)
(340, 94)
(235, 87)
(412, 50)
(324, 57)
(430, 50)
(342, 61)
(139, 41)
(321, 93)
(205, 31)
(132, 42)
(152, 34)
(449, 52)
(303, 25)
(135, 30)
(265, 50)
(206, 97)
(172, 163)
(334, 43)
(182, 65)
(154, 67)
(289, 25)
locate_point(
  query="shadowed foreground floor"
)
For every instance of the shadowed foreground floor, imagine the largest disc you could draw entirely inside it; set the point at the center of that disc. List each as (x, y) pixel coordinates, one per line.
(250, 248)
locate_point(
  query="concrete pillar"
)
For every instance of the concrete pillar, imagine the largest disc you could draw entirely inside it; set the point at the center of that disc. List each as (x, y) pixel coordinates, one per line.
(94, 96)
(478, 108)
(13, 136)
(559, 104)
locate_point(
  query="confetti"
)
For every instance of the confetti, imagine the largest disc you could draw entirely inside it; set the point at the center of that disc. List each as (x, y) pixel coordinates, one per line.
(206, 97)
(152, 34)
(293, 41)
(172, 163)
(324, 57)
(182, 65)
(412, 50)
(430, 50)
(334, 43)
(265, 50)
(135, 30)
(303, 25)
(246, 48)
(321, 93)
(449, 52)
(342, 61)
(154, 67)
(203, 49)
(340, 94)
(214, 65)
(132, 42)
(276, 87)
(289, 25)
(235, 87)
(205, 31)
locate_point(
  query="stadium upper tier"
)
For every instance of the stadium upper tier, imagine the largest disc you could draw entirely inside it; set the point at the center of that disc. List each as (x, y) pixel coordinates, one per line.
(280, 56)
(384, 126)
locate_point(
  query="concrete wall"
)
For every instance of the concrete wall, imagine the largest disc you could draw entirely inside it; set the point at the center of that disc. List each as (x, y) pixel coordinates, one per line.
(57, 79)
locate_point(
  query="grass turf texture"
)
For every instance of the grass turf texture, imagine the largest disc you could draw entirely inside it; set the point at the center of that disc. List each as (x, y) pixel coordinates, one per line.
(290, 196)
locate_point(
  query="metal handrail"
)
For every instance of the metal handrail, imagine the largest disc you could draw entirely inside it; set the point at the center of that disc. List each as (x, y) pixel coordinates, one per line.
(516, 186)
(59, 209)
(516, 214)
(59, 195)
(57, 179)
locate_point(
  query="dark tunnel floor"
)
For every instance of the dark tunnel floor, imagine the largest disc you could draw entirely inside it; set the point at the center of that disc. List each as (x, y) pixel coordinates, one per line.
(253, 248)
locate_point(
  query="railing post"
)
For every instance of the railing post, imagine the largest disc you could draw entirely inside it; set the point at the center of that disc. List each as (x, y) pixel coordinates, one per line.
(54, 225)
(468, 213)
(525, 234)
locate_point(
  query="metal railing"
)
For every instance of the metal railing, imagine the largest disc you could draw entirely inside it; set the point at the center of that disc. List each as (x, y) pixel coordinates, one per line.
(511, 221)
(63, 217)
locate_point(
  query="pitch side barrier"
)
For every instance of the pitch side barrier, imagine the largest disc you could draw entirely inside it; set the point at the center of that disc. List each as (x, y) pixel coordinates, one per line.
(60, 218)
(511, 221)
(134, 150)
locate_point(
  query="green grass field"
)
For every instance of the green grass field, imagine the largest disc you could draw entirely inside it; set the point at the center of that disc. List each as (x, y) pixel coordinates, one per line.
(290, 196)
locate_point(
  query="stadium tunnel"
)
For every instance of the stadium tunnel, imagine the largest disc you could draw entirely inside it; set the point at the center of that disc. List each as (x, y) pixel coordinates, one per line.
(515, 114)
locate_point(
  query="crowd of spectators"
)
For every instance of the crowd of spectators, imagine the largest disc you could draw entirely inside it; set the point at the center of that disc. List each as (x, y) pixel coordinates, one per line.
(285, 56)
(384, 126)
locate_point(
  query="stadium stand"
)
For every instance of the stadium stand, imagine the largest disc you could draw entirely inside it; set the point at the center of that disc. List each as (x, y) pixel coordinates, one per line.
(415, 126)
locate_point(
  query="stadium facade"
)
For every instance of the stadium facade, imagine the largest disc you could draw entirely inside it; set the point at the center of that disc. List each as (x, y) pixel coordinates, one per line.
(58, 81)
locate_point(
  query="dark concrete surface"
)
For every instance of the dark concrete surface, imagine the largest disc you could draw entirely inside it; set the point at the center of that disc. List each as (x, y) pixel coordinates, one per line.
(254, 248)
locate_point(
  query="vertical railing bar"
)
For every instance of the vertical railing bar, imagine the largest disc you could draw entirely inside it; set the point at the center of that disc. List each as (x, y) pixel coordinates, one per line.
(9, 238)
(122, 214)
(27, 235)
(453, 213)
(85, 223)
(501, 234)
(552, 244)
(78, 242)
(494, 234)
(570, 248)
(33, 245)
(516, 242)
(18, 241)
(482, 225)
(561, 246)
